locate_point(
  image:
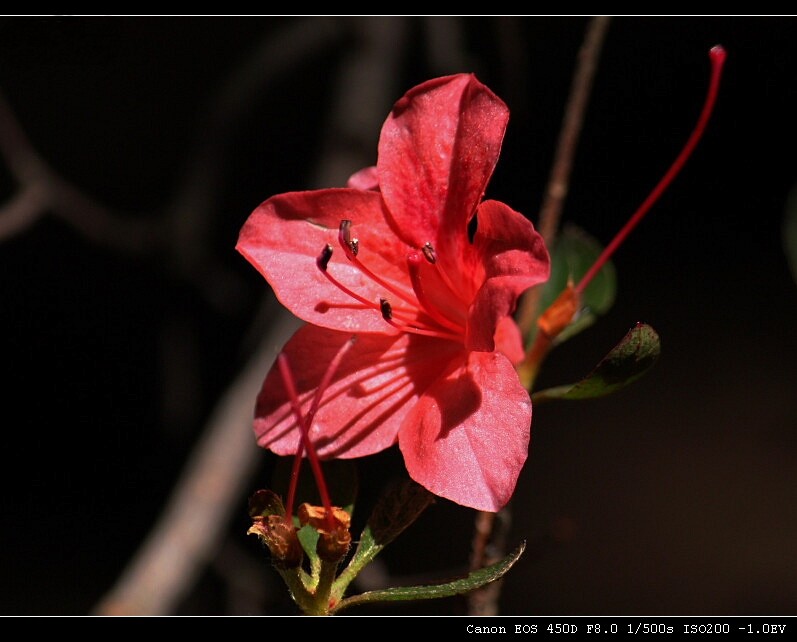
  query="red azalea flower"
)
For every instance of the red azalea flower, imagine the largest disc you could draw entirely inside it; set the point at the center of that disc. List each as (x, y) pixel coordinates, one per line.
(430, 303)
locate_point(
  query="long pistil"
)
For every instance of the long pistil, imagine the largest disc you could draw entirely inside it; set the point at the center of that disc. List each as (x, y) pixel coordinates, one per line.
(562, 311)
(304, 422)
(717, 56)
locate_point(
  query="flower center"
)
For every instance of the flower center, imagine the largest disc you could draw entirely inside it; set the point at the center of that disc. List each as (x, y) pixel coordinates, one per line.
(416, 310)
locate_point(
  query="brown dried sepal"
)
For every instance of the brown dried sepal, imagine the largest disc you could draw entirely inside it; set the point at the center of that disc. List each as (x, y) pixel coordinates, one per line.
(281, 539)
(334, 536)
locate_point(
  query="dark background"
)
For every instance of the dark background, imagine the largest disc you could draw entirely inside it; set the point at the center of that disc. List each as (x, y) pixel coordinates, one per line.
(675, 496)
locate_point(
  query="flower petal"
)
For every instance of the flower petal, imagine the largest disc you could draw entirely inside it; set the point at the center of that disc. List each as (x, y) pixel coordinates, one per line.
(511, 256)
(467, 438)
(437, 151)
(377, 383)
(365, 179)
(284, 236)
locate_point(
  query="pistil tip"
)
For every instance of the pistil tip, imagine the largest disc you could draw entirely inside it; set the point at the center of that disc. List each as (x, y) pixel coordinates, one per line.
(718, 54)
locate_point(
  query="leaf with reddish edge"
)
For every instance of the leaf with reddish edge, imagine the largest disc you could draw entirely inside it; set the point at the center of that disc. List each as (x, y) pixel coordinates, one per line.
(628, 361)
(308, 538)
(474, 580)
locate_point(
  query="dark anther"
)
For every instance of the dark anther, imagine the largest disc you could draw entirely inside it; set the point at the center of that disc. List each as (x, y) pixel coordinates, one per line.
(429, 253)
(344, 236)
(323, 259)
(387, 310)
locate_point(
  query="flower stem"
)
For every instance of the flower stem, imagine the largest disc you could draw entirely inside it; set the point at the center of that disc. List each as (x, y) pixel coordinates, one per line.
(489, 544)
(304, 599)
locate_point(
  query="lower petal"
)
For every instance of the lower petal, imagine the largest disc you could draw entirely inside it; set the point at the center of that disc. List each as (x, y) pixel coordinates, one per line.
(467, 437)
(379, 380)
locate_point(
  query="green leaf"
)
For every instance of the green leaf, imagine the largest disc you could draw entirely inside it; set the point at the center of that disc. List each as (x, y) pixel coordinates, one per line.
(573, 254)
(308, 538)
(627, 362)
(473, 581)
(790, 232)
(397, 508)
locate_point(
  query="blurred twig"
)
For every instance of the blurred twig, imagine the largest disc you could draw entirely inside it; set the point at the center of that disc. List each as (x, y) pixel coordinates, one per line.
(559, 180)
(489, 546)
(42, 190)
(365, 88)
(195, 200)
(212, 484)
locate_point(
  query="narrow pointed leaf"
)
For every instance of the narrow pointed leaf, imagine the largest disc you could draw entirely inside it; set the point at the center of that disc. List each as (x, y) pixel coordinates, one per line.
(399, 507)
(308, 538)
(473, 581)
(627, 362)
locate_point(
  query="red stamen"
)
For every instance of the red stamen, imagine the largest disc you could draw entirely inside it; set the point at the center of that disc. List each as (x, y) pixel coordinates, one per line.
(414, 264)
(305, 422)
(352, 247)
(387, 315)
(430, 255)
(409, 324)
(717, 56)
(323, 261)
